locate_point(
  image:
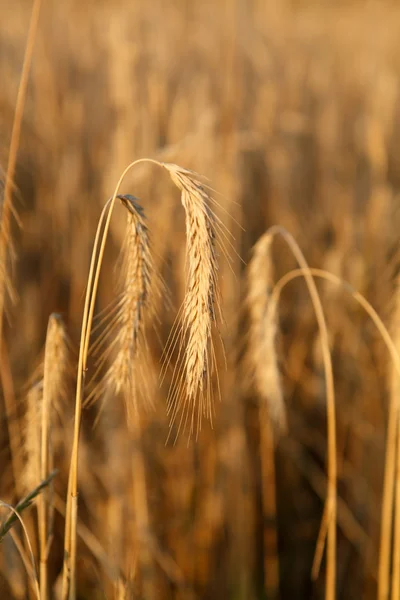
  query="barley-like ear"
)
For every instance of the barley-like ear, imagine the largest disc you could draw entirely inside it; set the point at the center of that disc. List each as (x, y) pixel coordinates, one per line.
(261, 360)
(191, 383)
(123, 340)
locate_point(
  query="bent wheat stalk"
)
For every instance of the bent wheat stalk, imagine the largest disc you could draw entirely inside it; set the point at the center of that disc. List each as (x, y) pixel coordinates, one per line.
(393, 419)
(328, 525)
(202, 282)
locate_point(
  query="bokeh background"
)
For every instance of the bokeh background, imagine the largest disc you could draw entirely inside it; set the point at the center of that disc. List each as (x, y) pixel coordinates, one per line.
(292, 112)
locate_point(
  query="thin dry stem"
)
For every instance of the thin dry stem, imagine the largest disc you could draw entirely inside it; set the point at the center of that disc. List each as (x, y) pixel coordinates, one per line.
(31, 572)
(331, 510)
(388, 483)
(392, 467)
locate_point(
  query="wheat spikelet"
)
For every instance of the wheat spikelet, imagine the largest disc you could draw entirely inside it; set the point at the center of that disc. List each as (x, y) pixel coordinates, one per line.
(134, 300)
(198, 312)
(262, 364)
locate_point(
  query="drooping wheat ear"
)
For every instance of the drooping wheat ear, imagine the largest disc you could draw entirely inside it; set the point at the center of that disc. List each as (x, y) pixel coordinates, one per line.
(261, 359)
(135, 275)
(199, 303)
(55, 361)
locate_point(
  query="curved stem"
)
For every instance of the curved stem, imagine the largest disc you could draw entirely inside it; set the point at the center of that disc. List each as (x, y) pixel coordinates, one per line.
(392, 434)
(331, 502)
(69, 574)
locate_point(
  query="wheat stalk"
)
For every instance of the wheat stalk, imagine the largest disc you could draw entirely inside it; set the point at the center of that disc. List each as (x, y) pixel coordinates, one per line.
(328, 526)
(391, 487)
(390, 461)
(203, 270)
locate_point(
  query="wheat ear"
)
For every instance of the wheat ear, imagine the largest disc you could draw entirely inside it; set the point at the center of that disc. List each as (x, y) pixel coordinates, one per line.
(199, 303)
(135, 276)
(55, 360)
(262, 365)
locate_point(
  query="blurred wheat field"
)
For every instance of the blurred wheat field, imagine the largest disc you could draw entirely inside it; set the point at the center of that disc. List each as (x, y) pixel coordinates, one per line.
(290, 113)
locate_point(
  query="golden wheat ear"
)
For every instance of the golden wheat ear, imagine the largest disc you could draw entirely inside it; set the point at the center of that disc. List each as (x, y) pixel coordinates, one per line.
(261, 358)
(121, 349)
(191, 381)
(45, 393)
